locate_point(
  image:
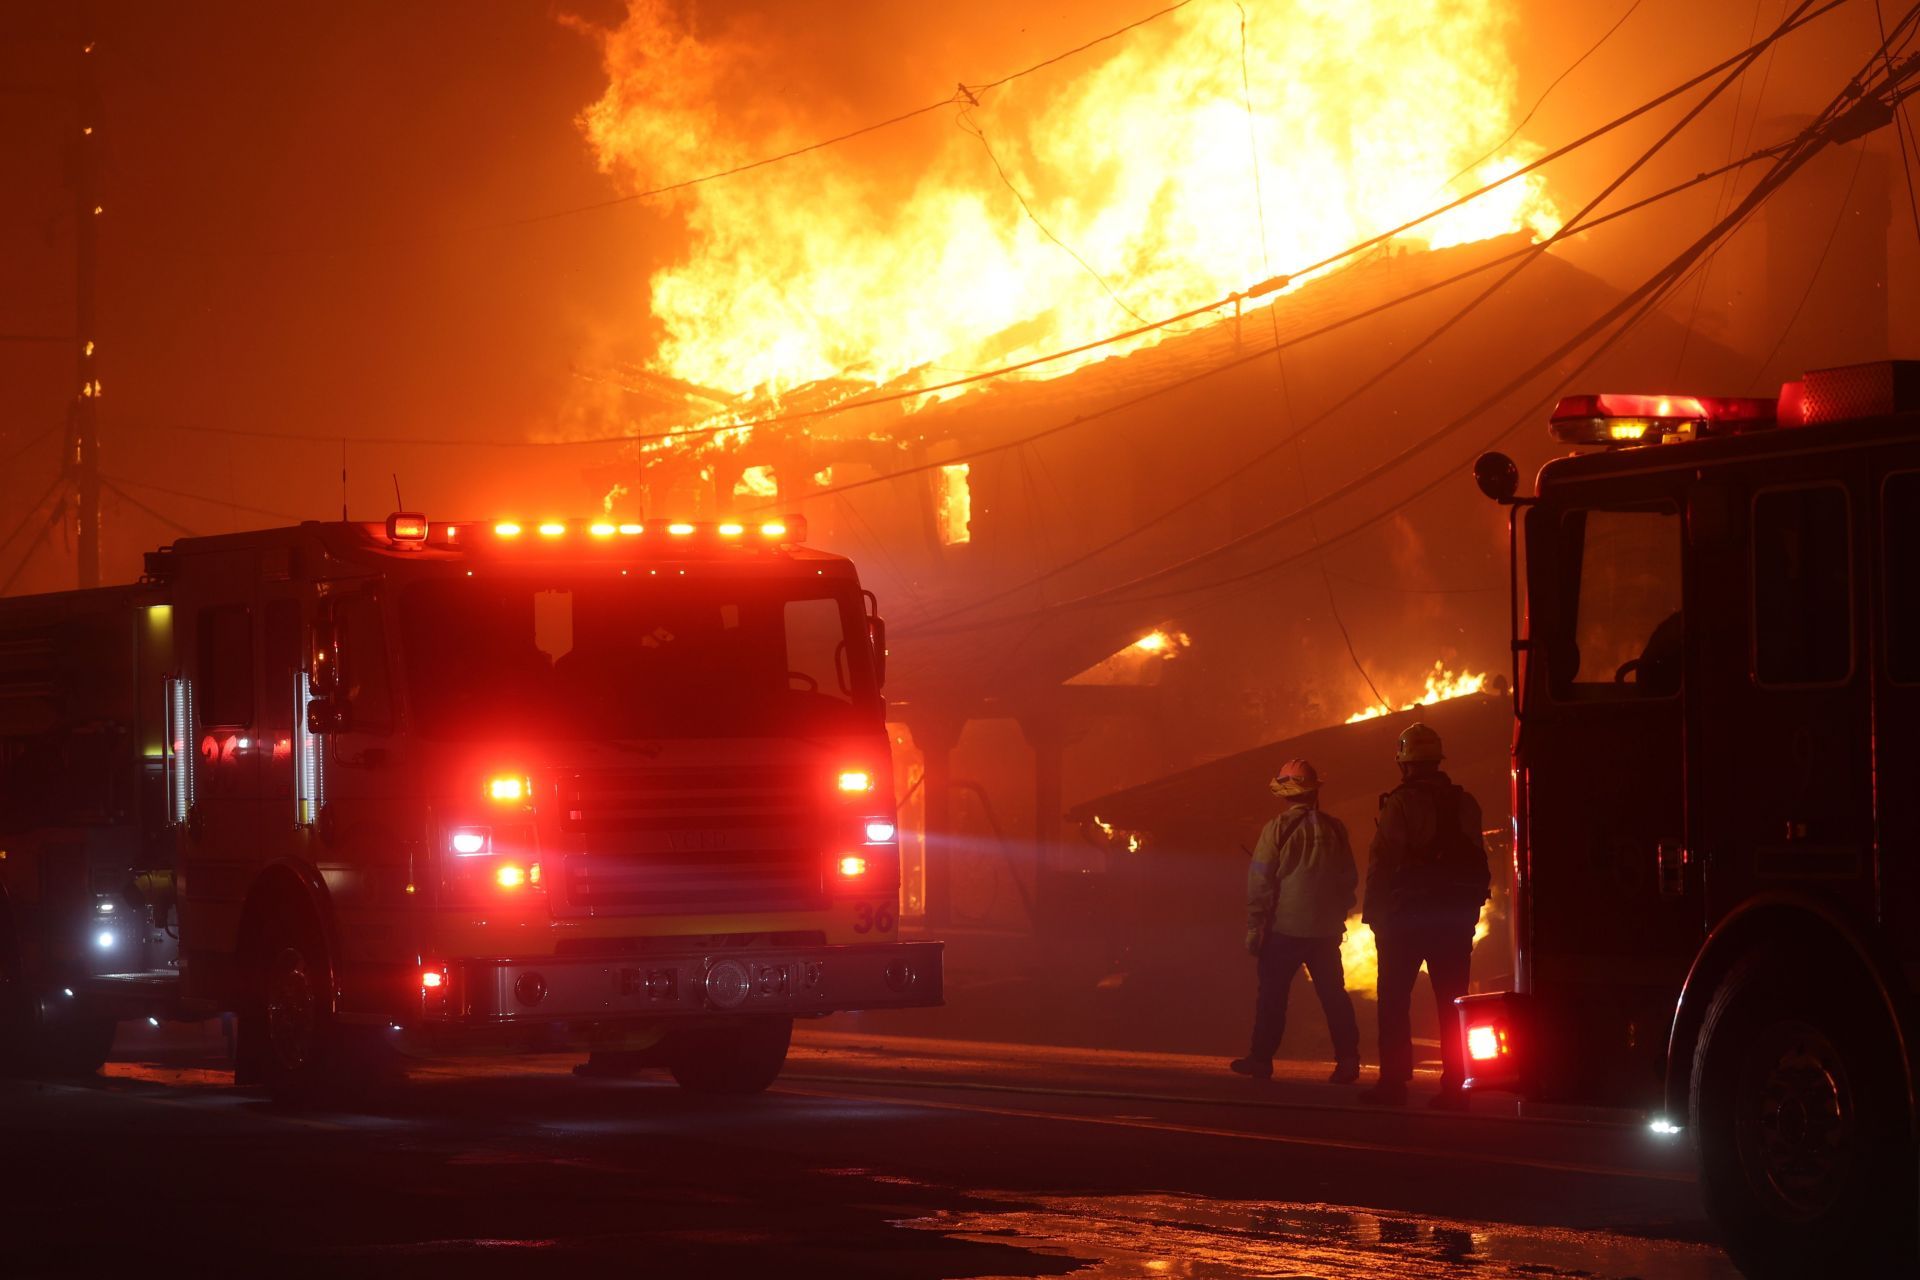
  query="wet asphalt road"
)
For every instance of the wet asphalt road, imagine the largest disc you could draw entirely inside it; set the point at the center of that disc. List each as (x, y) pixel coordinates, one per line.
(875, 1156)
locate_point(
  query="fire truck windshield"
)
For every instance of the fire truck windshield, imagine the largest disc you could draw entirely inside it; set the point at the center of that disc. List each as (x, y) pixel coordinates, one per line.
(732, 658)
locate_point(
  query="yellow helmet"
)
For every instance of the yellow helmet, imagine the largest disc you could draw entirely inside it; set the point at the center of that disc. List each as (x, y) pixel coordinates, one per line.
(1296, 778)
(1419, 745)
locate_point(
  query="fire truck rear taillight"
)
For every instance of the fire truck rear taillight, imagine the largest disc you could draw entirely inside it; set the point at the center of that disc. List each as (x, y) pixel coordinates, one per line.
(1486, 1042)
(432, 979)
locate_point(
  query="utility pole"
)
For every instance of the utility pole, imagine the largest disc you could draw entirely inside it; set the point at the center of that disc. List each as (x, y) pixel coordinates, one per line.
(83, 456)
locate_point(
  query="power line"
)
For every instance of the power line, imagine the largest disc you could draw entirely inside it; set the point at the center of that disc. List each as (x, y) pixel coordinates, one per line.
(208, 499)
(1546, 93)
(164, 519)
(1899, 124)
(1274, 447)
(1258, 290)
(1641, 300)
(685, 184)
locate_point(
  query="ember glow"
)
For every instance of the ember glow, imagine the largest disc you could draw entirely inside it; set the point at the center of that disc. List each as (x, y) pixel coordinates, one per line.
(1442, 685)
(910, 256)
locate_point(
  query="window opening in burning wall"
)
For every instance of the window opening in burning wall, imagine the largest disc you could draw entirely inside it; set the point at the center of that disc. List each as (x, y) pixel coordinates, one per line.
(954, 503)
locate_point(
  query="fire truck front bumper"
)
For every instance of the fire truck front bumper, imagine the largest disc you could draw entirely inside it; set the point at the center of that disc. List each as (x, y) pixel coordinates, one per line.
(800, 982)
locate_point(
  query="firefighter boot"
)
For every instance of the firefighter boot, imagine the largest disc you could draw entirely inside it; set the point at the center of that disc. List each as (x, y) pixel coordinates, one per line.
(1257, 1068)
(1344, 1073)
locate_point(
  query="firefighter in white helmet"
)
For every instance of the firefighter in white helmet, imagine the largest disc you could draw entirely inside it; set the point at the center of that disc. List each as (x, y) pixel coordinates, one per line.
(1299, 891)
(1426, 879)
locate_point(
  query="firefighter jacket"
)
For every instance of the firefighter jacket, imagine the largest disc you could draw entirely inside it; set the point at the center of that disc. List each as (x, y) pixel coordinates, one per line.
(1428, 863)
(1303, 875)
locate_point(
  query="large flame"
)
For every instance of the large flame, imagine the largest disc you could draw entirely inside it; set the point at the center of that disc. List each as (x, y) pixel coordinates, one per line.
(1065, 205)
(1442, 685)
(1360, 955)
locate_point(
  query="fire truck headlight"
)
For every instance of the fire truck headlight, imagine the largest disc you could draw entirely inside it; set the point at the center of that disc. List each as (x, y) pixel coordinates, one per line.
(104, 939)
(470, 840)
(1664, 1127)
(879, 830)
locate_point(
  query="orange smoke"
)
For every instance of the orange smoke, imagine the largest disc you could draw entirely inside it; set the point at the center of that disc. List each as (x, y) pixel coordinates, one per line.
(910, 253)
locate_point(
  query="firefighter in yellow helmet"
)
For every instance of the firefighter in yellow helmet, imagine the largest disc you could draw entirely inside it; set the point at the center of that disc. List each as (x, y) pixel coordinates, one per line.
(1299, 891)
(1425, 882)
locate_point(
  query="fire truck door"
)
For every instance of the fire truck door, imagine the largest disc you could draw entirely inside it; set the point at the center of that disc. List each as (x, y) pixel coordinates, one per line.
(1615, 905)
(222, 828)
(1782, 788)
(1896, 592)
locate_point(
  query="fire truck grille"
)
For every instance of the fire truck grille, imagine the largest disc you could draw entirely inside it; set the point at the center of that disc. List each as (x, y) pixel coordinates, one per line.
(692, 841)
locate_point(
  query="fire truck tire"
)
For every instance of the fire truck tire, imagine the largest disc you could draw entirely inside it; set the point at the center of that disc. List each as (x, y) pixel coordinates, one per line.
(740, 1059)
(1799, 1123)
(288, 1037)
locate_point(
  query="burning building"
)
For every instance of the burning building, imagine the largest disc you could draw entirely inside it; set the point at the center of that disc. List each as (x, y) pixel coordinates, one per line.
(1111, 545)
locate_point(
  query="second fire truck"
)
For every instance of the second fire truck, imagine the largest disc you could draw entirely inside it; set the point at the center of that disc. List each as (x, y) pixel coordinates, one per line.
(1716, 775)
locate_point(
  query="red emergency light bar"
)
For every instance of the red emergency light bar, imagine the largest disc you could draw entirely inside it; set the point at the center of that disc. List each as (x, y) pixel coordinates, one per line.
(1624, 419)
(408, 529)
(781, 531)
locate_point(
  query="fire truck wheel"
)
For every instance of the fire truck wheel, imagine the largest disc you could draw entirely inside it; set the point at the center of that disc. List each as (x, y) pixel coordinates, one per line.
(739, 1059)
(1797, 1120)
(288, 1032)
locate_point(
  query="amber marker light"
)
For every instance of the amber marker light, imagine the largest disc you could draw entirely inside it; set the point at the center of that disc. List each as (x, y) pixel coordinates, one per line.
(773, 529)
(680, 529)
(856, 780)
(552, 529)
(632, 530)
(507, 529)
(731, 530)
(600, 529)
(509, 789)
(853, 865)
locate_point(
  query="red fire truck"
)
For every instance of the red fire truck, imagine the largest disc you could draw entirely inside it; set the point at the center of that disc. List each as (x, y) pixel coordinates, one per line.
(423, 786)
(1716, 798)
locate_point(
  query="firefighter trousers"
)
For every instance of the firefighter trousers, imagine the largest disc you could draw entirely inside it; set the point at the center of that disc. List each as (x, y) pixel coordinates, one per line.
(1446, 947)
(1280, 959)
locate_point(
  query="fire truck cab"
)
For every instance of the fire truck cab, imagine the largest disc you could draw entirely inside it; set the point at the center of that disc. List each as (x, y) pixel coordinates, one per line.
(424, 786)
(1716, 774)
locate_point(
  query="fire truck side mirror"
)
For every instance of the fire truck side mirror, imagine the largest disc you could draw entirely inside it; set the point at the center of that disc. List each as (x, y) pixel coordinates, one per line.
(326, 715)
(1497, 476)
(326, 658)
(877, 633)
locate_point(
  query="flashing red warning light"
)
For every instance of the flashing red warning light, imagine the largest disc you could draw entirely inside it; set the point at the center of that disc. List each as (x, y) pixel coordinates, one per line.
(406, 526)
(430, 979)
(1615, 418)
